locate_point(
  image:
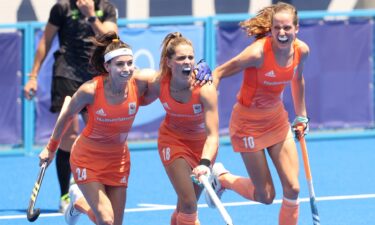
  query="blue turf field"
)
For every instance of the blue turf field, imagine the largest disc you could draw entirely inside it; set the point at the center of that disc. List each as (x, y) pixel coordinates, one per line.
(342, 169)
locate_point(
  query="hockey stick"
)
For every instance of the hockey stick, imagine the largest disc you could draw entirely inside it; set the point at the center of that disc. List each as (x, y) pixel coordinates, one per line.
(305, 157)
(32, 214)
(223, 212)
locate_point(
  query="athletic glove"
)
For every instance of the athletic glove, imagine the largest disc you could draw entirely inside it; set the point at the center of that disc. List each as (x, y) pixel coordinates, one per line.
(202, 72)
(203, 169)
(298, 121)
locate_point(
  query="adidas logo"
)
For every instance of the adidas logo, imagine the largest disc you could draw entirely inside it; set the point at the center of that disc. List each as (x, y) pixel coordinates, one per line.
(270, 74)
(124, 180)
(100, 112)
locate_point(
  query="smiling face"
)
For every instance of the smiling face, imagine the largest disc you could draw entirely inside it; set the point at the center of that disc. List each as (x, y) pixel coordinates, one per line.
(182, 62)
(283, 29)
(120, 68)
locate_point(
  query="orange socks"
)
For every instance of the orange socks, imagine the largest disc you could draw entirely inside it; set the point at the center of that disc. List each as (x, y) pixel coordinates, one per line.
(241, 185)
(289, 212)
(187, 219)
(82, 206)
(174, 218)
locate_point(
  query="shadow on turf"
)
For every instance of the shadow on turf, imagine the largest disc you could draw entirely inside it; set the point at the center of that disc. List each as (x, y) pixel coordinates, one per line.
(25, 210)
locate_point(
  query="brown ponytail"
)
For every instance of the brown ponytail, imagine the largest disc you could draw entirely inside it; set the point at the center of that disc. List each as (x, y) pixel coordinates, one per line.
(260, 25)
(169, 44)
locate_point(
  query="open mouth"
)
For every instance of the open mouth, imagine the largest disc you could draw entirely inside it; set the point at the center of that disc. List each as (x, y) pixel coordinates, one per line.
(282, 39)
(125, 74)
(186, 71)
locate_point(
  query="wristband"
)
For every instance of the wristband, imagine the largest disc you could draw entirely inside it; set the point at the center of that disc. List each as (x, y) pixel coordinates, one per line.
(52, 145)
(32, 77)
(205, 162)
(91, 19)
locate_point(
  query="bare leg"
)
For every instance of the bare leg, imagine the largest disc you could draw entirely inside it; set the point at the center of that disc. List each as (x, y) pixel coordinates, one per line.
(96, 196)
(179, 174)
(284, 156)
(257, 168)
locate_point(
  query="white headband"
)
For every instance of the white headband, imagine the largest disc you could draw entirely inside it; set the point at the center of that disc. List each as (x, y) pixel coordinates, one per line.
(121, 51)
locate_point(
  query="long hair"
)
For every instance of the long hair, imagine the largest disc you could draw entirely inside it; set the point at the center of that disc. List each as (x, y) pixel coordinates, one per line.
(105, 43)
(260, 25)
(169, 45)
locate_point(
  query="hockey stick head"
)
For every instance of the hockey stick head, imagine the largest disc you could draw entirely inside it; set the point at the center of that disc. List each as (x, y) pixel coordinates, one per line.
(32, 214)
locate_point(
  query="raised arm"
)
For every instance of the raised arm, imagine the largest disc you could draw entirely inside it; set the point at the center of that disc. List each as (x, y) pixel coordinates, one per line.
(249, 57)
(148, 85)
(87, 8)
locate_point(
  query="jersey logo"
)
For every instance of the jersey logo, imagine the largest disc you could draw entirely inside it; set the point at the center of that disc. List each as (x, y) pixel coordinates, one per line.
(132, 108)
(101, 112)
(124, 180)
(197, 108)
(270, 74)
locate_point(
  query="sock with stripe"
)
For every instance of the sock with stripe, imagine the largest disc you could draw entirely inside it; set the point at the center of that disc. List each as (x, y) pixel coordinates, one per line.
(289, 212)
(174, 218)
(187, 219)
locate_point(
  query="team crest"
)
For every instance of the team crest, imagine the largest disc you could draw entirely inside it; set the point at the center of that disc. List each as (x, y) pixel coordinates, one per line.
(132, 108)
(197, 108)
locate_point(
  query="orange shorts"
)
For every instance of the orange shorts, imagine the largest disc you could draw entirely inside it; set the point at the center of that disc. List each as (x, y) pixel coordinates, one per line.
(252, 129)
(172, 146)
(95, 162)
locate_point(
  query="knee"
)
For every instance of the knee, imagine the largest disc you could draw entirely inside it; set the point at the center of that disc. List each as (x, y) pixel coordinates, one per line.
(105, 218)
(188, 205)
(104, 221)
(291, 191)
(265, 196)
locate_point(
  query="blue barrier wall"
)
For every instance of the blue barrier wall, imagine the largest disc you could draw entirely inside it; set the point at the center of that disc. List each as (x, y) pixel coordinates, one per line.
(339, 72)
(11, 67)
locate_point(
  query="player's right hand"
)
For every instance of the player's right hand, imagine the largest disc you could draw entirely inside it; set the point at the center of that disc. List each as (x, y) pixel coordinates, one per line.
(46, 155)
(30, 88)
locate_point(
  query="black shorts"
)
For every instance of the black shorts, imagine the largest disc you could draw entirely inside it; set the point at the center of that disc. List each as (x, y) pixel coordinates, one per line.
(60, 88)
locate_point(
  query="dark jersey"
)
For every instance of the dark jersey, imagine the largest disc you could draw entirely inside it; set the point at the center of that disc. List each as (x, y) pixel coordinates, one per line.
(72, 58)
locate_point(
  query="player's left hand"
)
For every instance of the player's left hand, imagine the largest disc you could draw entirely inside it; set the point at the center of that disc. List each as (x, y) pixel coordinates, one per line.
(203, 74)
(298, 122)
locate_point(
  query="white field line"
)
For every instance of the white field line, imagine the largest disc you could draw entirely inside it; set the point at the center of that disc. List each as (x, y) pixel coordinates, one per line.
(158, 207)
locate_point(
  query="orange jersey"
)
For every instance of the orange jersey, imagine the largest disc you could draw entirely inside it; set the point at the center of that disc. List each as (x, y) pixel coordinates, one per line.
(259, 119)
(262, 87)
(101, 150)
(111, 123)
(182, 133)
(182, 119)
